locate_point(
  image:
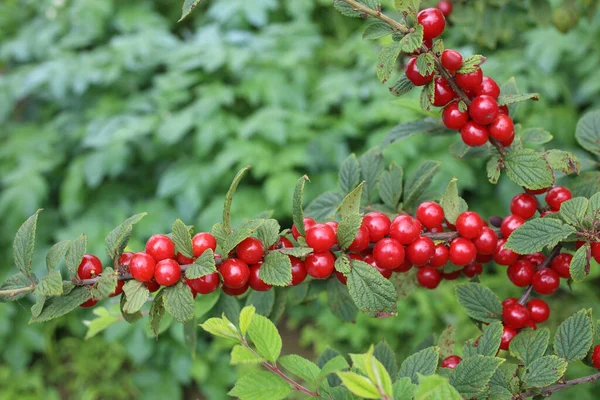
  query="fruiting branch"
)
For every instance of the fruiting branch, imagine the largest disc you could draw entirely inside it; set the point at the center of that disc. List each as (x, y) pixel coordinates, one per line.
(395, 25)
(17, 291)
(547, 392)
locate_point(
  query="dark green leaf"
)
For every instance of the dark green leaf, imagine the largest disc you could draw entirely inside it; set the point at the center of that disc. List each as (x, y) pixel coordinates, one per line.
(182, 239)
(188, 6)
(262, 301)
(24, 244)
(349, 175)
(204, 265)
(574, 336)
(179, 301)
(324, 206)
(427, 126)
(479, 301)
(544, 371)
(412, 41)
(371, 167)
(268, 232)
(418, 182)
(471, 376)
(351, 217)
(423, 362)
(376, 30)
(117, 239)
(50, 285)
(390, 185)
(588, 132)
(75, 253)
(229, 199)
(371, 292)
(530, 345)
(298, 213)
(505, 100)
(157, 312)
(528, 168)
(386, 356)
(489, 343)
(55, 307)
(580, 264)
(340, 301)
(402, 86)
(136, 295)
(537, 234)
(106, 284)
(55, 254)
(276, 269)
(260, 385)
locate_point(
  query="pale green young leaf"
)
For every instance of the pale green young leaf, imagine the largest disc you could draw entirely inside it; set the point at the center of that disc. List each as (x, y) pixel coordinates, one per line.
(243, 355)
(265, 337)
(221, 327)
(246, 316)
(435, 387)
(260, 385)
(103, 320)
(404, 389)
(300, 366)
(359, 385)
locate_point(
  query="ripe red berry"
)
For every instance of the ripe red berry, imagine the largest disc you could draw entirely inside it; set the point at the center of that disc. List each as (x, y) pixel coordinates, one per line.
(413, 74)
(203, 241)
(378, 225)
(515, 316)
(561, 264)
(206, 284)
(118, 289)
(89, 303)
(535, 258)
(433, 22)
(308, 223)
(469, 224)
(502, 128)
(440, 256)
(470, 81)
(483, 258)
(596, 251)
(521, 273)
(451, 362)
(453, 118)
(405, 229)
(420, 251)
(503, 110)
(298, 271)
(451, 60)
(235, 291)
(436, 229)
(486, 242)
(523, 205)
(483, 109)
(320, 238)
(509, 224)
(89, 267)
(504, 256)
(474, 134)
(509, 301)
(183, 260)
(319, 265)
(250, 250)
(283, 243)
(125, 259)
(152, 285)
(472, 269)
(445, 6)
(235, 273)
(450, 276)
(429, 277)
(361, 241)
(488, 87)
(142, 267)
(255, 282)
(538, 310)
(507, 336)
(556, 196)
(341, 277)
(385, 272)
(167, 272)
(388, 253)
(462, 251)
(333, 225)
(430, 214)
(442, 92)
(596, 357)
(545, 281)
(160, 247)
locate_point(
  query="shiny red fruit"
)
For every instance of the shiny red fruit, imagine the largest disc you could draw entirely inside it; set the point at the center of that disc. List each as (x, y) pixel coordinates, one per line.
(440, 256)
(387, 273)
(469, 224)
(462, 251)
(118, 289)
(125, 259)
(142, 267)
(283, 243)
(472, 269)
(596, 357)
(378, 225)
(509, 224)
(89, 267)
(443, 93)
(361, 241)
(413, 74)
(255, 282)
(515, 316)
(206, 284)
(388, 253)
(521, 273)
(430, 214)
(523, 205)
(420, 251)
(504, 256)
(545, 281)
(321, 238)
(509, 301)
(433, 22)
(474, 134)
(250, 250)
(535, 258)
(235, 291)
(429, 277)
(183, 260)
(319, 265)
(89, 303)
(483, 109)
(486, 241)
(453, 118)
(445, 6)
(556, 196)
(451, 362)
(152, 286)
(488, 87)
(596, 251)
(561, 264)
(203, 241)
(308, 223)
(451, 60)
(160, 247)
(298, 271)
(235, 273)
(167, 272)
(470, 81)
(502, 128)
(538, 310)
(450, 276)
(405, 229)
(507, 336)
(503, 110)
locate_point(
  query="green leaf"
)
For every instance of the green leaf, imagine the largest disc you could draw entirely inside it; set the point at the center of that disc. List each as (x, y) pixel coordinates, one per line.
(418, 182)
(136, 295)
(24, 244)
(204, 265)
(376, 30)
(325, 206)
(55, 254)
(300, 367)
(262, 301)
(580, 264)
(494, 167)
(527, 168)
(574, 336)
(479, 301)
(75, 253)
(58, 306)
(452, 203)
(260, 385)
(535, 136)
(371, 292)
(351, 218)
(504, 382)
(346, 9)
(386, 62)
(349, 175)
(408, 7)
(340, 301)
(246, 316)
(390, 185)
(188, 6)
(330, 362)
(425, 64)
(129, 317)
(530, 345)
(427, 96)
(179, 301)
(229, 199)
(359, 385)
(268, 232)
(276, 269)
(297, 252)
(50, 285)
(221, 327)
(378, 374)
(412, 41)
(105, 285)
(544, 371)
(371, 167)
(427, 126)
(402, 86)
(103, 320)
(384, 353)
(157, 312)
(563, 161)
(298, 214)
(243, 355)
(573, 211)
(435, 387)
(241, 233)
(588, 132)
(117, 239)
(446, 342)
(265, 337)
(537, 234)
(507, 99)
(37, 308)
(404, 389)
(490, 340)
(182, 239)
(470, 64)
(423, 362)
(473, 374)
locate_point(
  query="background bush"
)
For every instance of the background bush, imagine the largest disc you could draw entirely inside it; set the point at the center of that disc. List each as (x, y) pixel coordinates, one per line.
(108, 108)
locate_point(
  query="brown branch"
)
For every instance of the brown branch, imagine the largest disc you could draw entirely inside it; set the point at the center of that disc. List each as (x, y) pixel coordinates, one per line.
(547, 391)
(553, 253)
(17, 291)
(395, 25)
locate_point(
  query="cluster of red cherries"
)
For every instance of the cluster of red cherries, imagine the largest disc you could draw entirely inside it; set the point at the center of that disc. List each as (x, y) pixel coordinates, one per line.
(482, 118)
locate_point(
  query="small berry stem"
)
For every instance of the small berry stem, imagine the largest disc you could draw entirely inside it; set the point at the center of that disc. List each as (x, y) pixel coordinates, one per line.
(14, 292)
(553, 253)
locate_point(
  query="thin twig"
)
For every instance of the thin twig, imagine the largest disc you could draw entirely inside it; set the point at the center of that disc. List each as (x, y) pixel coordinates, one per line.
(395, 25)
(17, 291)
(545, 392)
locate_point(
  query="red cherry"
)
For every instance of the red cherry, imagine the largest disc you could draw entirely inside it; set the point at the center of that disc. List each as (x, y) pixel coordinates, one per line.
(89, 303)
(436, 229)
(320, 238)
(469, 224)
(445, 6)
(556, 196)
(504, 256)
(561, 264)
(167, 272)
(595, 246)
(125, 259)
(413, 74)
(535, 258)
(152, 286)
(507, 336)
(429, 277)
(235, 291)
(502, 128)
(283, 243)
(203, 241)
(298, 271)
(521, 273)
(486, 242)
(118, 290)
(430, 214)
(378, 225)
(451, 60)
(537, 191)
(470, 81)
(89, 267)
(334, 226)
(183, 260)
(453, 118)
(341, 277)
(523, 205)
(596, 357)
(451, 362)
(473, 269)
(462, 251)
(443, 93)
(142, 267)
(420, 251)
(509, 301)
(510, 224)
(474, 134)
(308, 223)
(255, 282)
(450, 276)
(361, 241)
(433, 22)
(388, 253)
(538, 310)
(440, 256)
(160, 247)
(545, 281)
(483, 258)
(515, 316)
(319, 265)
(206, 284)
(405, 266)
(250, 250)
(405, 229)
(235, 273)
(483, 109)
(488, 87)
(387, 273)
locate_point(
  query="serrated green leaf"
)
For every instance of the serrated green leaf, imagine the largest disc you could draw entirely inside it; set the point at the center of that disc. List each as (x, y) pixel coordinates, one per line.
(260, 385)
(229, 199)
(263, 301)
(75, 253)
(117, 239)
(425, 64)
(527, 168)
(386, 356)
(298, 213)
(24, 244)
(376, 30)
(351, 217)
(390, 185)
(386, 62)
(371, 292)
(537, 234)
(470, 64)
(330, 361)
(494, 167)
(340, 302)
(246, 316)
(265, 337)
(446, 341)
(55, 254)
(359, 385)
(349, 175)
(129, 317)
(237, 236)
(188, 6)
(574, 336)
(182, 239)
(371, 168)
(530, 345)
(489, 343)
(472, 375)
(588, 132)
(563, 161)
(504, 382)
(300, 367)
(544, 371)
(325, 206)
(418, 182)
(402, 86)
(580, 264)
(423, 362)
(103, 320)
(157, 312)
(204, 265)
(105, 285)
(268, 232)
(408, 7)
(221, 327)
(435, 387)
(37, 308)
(452, 203)
(342, 264)
(58, 306)
(50, 285)
(136, 295)
(276, 269)
(243, 355)
(573, 211)
(479, 301)
(346, 9)
(427, 96)
(535, 136)
(404, 389)
(505, 100)
(179, 301)
(412, 41)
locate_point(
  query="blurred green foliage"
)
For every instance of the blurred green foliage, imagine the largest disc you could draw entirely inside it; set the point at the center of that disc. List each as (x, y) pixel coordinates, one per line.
(108, 108)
